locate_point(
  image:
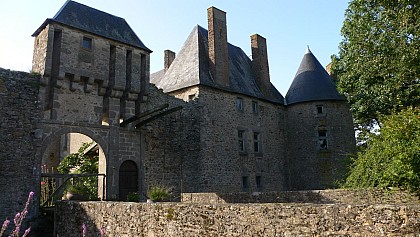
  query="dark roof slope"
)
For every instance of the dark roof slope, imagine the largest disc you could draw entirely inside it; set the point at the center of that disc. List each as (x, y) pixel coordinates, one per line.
(96, 22)
(311, 83)
(190, 68)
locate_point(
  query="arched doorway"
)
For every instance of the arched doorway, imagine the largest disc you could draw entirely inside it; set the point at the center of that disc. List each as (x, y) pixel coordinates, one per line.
(77, 151)
(128, 179)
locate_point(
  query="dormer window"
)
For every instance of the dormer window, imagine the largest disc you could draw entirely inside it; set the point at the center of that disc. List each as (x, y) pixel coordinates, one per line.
(87, 43)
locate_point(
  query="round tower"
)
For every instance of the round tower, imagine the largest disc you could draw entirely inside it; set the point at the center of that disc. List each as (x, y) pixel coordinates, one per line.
(320, 133)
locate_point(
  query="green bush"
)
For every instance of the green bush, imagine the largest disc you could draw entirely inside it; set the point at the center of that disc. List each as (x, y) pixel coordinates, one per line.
(133, 197)
(391, 159)
(158, 193)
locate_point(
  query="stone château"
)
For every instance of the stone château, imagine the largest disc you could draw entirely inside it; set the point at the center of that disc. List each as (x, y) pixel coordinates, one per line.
(210, 121)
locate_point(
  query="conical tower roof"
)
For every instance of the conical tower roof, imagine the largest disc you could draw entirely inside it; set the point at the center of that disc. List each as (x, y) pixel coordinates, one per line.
(311, 83)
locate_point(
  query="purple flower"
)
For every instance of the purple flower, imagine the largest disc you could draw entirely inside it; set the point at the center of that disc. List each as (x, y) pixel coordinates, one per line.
(102, 231)
(17, 230)
(4, 226)
(83, 230)
(17, 218)
(27, 232)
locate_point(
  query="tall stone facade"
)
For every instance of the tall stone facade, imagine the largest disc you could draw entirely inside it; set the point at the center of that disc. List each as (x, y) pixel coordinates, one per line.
(92, 80)
(251, 138)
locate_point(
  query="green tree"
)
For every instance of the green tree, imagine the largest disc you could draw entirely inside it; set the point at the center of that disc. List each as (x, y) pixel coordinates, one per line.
(80, 163)
(378, 65)
(391, 159)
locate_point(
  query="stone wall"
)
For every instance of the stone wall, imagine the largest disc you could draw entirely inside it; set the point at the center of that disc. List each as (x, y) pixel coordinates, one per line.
(221, 166)
(19, 116)
(171, 145)
(172, 219)
(309, 166)
(345, 196)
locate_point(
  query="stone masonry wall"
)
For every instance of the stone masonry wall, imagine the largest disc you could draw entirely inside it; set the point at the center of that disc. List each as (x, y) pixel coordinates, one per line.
(224, 168)
(309, 166)
(329, 196)
(19, 116)
(175, 219)
(171, 145)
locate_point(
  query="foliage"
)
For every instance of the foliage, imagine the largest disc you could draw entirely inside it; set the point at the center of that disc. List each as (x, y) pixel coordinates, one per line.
(80, 163)
(133, 197)
(18, 220)
(378, 63)
(158, 193)
(78, 187)
(392, 158)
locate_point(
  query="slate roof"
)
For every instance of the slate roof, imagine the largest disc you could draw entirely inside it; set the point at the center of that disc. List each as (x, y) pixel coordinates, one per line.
(311, 83)
(97, 22)
(191, 67)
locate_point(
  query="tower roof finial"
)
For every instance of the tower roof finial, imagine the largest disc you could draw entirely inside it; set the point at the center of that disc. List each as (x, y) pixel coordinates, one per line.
(308, 50)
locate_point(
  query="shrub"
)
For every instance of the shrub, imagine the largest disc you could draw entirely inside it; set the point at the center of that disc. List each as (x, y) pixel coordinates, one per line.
(158, 193)
(133, 197)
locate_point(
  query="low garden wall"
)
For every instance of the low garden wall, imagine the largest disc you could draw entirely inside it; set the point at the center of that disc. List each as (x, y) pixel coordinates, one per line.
(361, 196)
(269, 219)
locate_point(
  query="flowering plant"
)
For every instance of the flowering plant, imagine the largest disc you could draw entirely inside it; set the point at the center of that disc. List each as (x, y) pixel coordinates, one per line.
(19, 217)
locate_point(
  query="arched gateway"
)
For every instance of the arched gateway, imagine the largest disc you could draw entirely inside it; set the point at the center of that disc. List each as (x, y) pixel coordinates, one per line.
(94, 76)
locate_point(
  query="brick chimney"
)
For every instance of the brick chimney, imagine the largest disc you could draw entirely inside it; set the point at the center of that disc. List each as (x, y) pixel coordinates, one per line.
(168, 58)
(218, 46)
(260, 63)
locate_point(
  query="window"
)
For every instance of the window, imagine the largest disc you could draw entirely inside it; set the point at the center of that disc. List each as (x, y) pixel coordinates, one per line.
(87, 43)
(191, 97)
(320, 109)
(245, 182)
(240, 104)
(257, 142)
(255, 107)
(241, 140)
(322, 137)
(258, 181)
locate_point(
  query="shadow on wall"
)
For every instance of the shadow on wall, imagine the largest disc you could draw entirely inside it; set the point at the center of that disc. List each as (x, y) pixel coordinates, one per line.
(312, 196)
(329, 196)
(277, 197)
(87, 226)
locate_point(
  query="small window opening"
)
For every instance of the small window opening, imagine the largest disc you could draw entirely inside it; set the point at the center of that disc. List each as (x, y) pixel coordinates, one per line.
(320, 109)
(240, 104)
(258, 181)
(191, 97)
(87, 43)
(257, 143)
(245, 182)
(322, 137)
(241, 140)
(255, 107)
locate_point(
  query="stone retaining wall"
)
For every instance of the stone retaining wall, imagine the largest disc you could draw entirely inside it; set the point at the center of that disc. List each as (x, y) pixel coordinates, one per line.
(19, 138)
(181, 219)
(331, 196)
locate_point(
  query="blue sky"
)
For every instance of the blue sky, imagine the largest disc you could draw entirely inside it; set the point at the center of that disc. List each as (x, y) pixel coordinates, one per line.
(288, 26)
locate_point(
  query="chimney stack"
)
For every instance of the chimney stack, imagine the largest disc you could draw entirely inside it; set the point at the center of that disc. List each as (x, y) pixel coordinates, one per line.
(218, 46)
(168, 59)
(260, 63)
